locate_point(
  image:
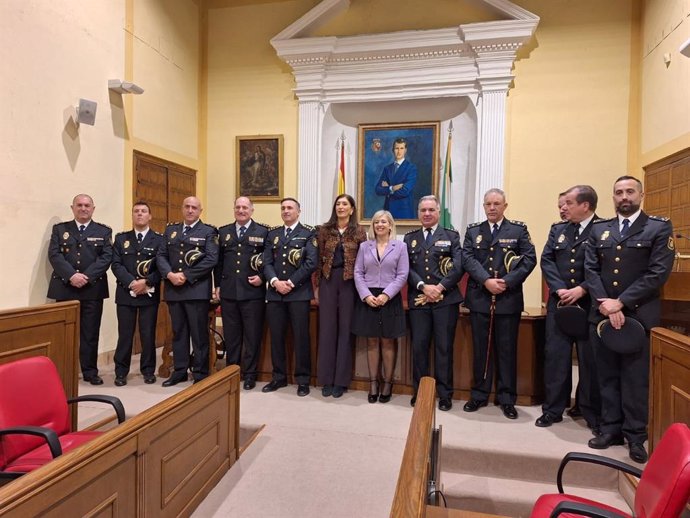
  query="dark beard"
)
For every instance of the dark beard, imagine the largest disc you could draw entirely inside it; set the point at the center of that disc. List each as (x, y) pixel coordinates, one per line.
(628, 210)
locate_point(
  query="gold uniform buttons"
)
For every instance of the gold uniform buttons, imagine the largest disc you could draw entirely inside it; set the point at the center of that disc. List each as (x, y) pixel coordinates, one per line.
(615, 271)
(572, 270)
(572, 281)
(237, 271)
(572, 260)
(615, 283)
(572, 251)
(491, 249)
(619, 247)
(617, 259)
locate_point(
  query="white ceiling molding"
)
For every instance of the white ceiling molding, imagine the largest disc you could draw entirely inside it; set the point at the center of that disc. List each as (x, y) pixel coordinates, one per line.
(470, 60)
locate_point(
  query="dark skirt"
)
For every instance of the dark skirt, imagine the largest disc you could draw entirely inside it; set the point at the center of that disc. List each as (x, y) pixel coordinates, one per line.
(382, 322)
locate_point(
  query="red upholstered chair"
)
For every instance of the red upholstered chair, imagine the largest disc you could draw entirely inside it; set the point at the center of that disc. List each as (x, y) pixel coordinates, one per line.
(663, 490)
(34, 417)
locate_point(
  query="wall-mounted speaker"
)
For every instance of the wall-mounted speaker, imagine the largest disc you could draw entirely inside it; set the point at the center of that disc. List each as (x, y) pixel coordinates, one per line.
(86, 112)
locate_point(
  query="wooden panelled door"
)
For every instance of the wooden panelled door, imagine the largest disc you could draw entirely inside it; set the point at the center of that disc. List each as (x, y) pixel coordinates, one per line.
(164, 186)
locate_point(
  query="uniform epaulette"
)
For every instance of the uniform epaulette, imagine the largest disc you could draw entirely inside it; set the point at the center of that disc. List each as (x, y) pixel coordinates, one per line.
(275, 227)
(516, 222)
(262, 224)
(559, 222)
(659, 218)
(101, 224)
(451, 229)
(212, 226)
(173, 223)
(602, 220)
(157, 233)
(412, 231)
(308, 227)
(472, 225)
(120, 233)
(226, 226)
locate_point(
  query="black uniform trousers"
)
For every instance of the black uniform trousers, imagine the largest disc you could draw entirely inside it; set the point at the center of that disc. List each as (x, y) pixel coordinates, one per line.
(296, 313)
(437, 322)
(90, 313)
(624, 386)
(336, 305)
(127, 317)
(189, 319)
(558, 369)
(503, 357)
(243, 324)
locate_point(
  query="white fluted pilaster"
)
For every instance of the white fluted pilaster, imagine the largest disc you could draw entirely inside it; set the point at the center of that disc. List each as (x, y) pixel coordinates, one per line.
(310, 122)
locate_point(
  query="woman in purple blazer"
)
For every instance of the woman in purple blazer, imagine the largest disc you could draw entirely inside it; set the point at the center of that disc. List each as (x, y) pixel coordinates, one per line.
(381, 271)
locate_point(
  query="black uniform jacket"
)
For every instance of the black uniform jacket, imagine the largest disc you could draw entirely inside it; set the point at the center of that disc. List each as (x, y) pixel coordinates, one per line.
(194, 254)
(633, 268)
(484, 257)
(428, 264)
(133, 261)
(291, 259)
(235, 263)
(563, 260)
(89, 253)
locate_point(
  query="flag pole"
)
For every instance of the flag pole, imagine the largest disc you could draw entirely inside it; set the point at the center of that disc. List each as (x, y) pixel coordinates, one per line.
(341, 169)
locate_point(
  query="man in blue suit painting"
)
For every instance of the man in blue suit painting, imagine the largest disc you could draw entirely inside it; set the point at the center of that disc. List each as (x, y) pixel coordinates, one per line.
(397, 182)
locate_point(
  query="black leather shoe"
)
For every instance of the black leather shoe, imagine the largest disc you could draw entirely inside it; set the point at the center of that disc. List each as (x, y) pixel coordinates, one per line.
(149, 379)
(338, 391)
(120, 381)
(327, 390)
(605, 440)
(302, 390)
(273, 386)
(413, 401)
(637, 452)
(473, 405)
(509, 411)
(249, 384)
(383, 397)
(173, 380)
(445, 404)
(94, 380)
(547, 420)
(574, 411)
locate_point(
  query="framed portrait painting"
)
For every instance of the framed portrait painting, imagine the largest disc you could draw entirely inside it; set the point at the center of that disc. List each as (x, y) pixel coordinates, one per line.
(397, 166)
(259, 171)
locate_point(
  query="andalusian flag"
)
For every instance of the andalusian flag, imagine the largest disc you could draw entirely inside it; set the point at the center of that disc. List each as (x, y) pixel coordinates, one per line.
(341, 171)
(445, 185)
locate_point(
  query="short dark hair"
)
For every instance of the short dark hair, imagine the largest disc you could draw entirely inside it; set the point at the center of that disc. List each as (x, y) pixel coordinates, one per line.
(291, 199)
(585, 193)
(140, 202)
(628, 177)
(399, 140)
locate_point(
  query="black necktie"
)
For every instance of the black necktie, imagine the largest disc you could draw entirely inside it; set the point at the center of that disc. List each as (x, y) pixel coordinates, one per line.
(626, 226)
(140, 236)
(494, 231)
(427, 240)
(577, 230)
(243, 229)
(82, 228)
(288, 231)
(186, 229)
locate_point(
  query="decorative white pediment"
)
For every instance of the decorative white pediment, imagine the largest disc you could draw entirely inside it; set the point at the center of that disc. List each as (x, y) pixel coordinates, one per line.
(472, 60)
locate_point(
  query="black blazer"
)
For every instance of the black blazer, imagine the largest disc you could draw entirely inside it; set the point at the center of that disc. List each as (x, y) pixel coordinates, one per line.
(483, 258)
(194, 254)
(425, 263)
(280, 254)
(127, 256)
(633, 268)
(234, 262)
(89, 253)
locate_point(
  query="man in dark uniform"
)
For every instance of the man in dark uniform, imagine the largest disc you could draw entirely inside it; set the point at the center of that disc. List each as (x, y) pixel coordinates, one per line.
(186, 260)
(138, 293)
(628, 260)
(562, 264)
(241, 289)
(80, 252)
(433, 298)
(499, 255)
(290, 257)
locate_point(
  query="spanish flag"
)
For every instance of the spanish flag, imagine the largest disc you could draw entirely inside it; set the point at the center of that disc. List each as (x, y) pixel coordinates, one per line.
(341, 171)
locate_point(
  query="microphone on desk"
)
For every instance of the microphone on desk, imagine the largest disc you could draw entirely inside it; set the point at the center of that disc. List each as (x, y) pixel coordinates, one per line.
(682, 236)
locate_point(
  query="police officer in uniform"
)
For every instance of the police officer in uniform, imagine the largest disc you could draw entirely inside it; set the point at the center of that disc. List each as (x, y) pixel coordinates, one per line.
(138, 293)
(80, 252)
(562, 264)
(433, 298)
(241, 289)
(186, 260)
(499, 255)
(628, 260)
(290, 257)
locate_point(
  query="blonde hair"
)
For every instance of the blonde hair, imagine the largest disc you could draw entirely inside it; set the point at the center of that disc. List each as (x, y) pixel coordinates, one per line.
(379, 214)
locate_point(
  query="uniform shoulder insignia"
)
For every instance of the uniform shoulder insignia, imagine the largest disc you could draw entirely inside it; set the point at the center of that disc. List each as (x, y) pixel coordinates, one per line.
(603, 220)
(212, 226)
(170, 224)
(516, 222)
(412, 231)
(65, 222)
(226, 226)
(157, 233)
(452, 230)
(659, 218)
(262, 224)
(102, 225)
(559, 222)
(476, 224)
(276, 227)
(308, 227)
(121, 233)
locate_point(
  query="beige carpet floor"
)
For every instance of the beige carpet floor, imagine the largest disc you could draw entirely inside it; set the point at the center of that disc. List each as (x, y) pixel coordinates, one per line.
(325, 457)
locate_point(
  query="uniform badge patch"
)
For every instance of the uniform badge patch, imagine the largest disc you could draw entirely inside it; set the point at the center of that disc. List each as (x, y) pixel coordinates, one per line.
(172, 236)
(561, 238)
(276, 239)
(479, 239)
(65, 235)
(227, 237)
(125, 244)
(414, 243)
(605, 235)
(671, 245)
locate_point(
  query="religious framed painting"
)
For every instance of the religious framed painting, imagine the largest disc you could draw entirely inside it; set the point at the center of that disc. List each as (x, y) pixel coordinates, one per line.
(259, 170)
(397, 165)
